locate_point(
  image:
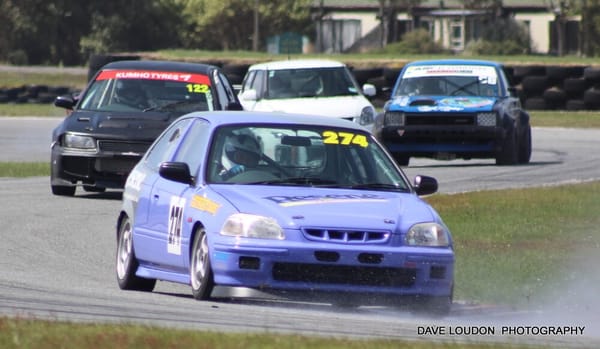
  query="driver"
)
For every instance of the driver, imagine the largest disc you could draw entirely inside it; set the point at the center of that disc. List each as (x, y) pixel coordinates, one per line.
(240, 153)
(130, 93)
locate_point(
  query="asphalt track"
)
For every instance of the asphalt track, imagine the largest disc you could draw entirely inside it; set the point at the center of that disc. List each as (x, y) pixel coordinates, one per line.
(57, 260)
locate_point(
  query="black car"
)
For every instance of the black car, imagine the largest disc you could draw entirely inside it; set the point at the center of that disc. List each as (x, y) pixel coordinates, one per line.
(123, 109)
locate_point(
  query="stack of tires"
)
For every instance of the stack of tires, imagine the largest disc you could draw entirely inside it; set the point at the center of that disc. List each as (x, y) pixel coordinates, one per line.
(32, 93)
(557, 87)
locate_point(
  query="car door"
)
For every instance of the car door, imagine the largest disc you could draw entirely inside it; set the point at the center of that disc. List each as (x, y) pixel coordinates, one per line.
(152, 214)
(170, 199)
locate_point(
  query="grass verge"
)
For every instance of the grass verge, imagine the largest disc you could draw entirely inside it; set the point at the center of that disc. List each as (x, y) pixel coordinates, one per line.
(23, 333)
(24, 169)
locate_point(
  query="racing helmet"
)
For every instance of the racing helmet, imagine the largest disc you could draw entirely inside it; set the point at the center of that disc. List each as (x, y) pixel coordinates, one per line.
(131, 93)
(242, 149)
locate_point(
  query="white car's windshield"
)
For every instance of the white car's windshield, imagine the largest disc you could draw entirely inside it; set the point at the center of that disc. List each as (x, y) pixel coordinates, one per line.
(303, 156)
(144, 92)
(449, 80)
(313, 82)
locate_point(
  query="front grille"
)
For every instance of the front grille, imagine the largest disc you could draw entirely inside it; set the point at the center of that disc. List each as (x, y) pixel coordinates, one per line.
(345, 236)
(443, 119)
(124, 147)
(344, 275)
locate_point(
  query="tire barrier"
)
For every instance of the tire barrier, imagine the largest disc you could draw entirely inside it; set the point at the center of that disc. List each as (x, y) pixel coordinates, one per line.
(539, 87)
(41, 94)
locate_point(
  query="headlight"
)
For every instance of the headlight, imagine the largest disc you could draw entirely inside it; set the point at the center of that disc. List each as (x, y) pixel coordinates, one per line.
(427, 234)
(76, 141)
(394, 118)
(252, 226)
(486, 119)
(367, 116)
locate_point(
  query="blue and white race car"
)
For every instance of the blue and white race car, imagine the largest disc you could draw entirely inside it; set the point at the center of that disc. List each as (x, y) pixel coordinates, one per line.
(281, 202)
(455, 108)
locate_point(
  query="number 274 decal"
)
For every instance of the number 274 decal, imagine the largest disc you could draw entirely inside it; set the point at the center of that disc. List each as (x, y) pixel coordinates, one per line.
(344, 138)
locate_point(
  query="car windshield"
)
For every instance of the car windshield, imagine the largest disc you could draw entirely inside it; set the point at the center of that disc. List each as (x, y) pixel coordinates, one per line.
(310, 82)
(296, 155)
(449, 80)
(127, 90)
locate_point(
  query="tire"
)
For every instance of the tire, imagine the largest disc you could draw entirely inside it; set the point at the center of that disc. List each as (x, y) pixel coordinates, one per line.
(534, 85)
(574, 87)
(575, 105)
(127, 264)
(508, 155)
(201, 275)
(525, 146)
(535, 103)
(555, 98)
(63, 190)
(591, 98)
(592, 74)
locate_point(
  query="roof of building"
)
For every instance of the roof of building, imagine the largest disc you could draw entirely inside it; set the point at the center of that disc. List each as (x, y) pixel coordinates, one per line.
(521, 5)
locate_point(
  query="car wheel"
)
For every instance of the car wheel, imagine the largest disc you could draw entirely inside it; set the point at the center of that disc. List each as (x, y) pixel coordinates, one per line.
(127, 264)
(92, 189)
(63, 190)
(508, 154)
(525, 146)
(201, 276)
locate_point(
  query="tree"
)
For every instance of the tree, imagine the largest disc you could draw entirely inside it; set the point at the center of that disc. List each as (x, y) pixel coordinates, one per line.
(134, 25)
(388, 11)
(229, 24)
(590, 27)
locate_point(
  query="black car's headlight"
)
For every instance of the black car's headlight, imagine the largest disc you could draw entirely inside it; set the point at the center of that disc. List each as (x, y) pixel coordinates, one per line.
(394, 118)
(252, 226)
(427, 234)
(487, 119)
(79, 142)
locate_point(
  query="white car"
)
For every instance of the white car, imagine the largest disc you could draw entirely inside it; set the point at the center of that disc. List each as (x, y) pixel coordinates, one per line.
(307, 86)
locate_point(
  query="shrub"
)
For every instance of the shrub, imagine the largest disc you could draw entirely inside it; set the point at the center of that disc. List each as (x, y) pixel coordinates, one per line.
(417, 41)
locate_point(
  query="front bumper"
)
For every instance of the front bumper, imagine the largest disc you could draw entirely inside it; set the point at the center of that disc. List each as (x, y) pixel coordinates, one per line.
(473, 141)
(317, 267)
(100, 169)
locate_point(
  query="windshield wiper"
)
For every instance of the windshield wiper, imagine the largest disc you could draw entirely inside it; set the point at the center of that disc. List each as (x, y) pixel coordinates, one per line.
(298, 180)
(172, 104)
(386, 186)
(464, 87)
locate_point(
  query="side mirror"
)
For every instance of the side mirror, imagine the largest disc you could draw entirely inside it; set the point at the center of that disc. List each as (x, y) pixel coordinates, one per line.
(425, 185)
(175, 171)
(369, 90)
(66, 102)
(249, 95)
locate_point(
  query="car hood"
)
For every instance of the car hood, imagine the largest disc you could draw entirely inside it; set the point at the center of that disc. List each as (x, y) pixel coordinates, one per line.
(132, 125)
(340, 106)
(327, 207)
(441, 103)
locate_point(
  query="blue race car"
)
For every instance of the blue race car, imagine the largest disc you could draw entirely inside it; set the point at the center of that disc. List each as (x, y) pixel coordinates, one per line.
(454, 108)
(281, 202)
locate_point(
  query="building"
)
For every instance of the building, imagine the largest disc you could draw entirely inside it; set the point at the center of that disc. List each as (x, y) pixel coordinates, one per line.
(361, 25)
